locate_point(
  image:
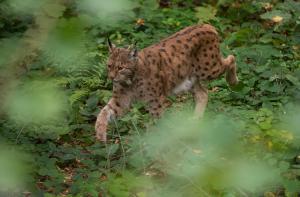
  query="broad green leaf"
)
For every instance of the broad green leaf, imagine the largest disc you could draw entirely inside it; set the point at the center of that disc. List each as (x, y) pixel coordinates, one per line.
(224, 2)
(265, 125)
(54, 9)
(292, 186)
(276, 16)
(239, 37)
(292, 79)
(205, 14)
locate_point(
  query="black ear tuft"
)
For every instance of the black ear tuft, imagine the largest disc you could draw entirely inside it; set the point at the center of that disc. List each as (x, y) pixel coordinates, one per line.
(133, 53)
(110, 45)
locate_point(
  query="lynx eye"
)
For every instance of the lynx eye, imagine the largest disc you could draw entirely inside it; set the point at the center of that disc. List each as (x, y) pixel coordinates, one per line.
(109, 65)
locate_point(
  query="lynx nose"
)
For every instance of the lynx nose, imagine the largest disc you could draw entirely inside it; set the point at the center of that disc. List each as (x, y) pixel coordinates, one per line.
(111, 76)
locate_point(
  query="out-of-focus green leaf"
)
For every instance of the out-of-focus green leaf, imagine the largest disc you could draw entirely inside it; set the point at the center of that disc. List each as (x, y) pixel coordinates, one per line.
(204, 14)
(276, 16)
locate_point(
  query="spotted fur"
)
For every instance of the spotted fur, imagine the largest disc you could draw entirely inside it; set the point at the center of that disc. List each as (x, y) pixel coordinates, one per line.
(178, 63)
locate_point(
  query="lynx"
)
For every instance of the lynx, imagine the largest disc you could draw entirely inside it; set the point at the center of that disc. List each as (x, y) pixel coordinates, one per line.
(177, 64)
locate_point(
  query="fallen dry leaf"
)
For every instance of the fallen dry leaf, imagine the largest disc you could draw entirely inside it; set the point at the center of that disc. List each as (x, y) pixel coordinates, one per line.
(197, 151)
(268, 6)
(277, 19)
(214, 89)
(140, 21)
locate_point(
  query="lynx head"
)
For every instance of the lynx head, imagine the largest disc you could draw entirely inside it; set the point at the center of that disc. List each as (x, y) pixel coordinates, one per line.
(121, 64)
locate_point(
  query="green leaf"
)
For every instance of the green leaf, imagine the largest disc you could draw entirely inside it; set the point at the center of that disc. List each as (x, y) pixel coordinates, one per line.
(258, 53)
(241, 36)
(77, 95)
(224, 2)
(290, 5)
(54, 9)
(105, 95)
(292, 185)
(265, 125)
(292, 79)
(272, 15)
(205, 14)
(283, 165)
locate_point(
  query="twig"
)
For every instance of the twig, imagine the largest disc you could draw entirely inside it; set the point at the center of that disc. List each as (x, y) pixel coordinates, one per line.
(121, 144)
(19, 134)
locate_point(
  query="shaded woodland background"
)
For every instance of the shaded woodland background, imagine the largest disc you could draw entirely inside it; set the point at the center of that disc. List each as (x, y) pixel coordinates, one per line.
(53, 82)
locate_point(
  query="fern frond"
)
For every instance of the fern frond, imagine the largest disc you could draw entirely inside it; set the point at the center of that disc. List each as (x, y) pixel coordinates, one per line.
(78, 95)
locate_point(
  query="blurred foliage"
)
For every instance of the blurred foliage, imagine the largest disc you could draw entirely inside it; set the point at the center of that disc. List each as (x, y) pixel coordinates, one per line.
(53, 83)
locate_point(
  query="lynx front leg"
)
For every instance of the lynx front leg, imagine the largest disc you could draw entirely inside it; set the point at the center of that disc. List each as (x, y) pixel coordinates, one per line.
(104, 117)
(201, 99)
(114, 108)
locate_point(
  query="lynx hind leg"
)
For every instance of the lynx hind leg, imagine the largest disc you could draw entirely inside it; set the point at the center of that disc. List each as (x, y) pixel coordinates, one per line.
(230, 67)
(201, 99)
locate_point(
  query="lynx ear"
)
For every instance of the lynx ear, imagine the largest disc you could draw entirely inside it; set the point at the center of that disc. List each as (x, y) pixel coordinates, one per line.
(134, 52)
(110, 45)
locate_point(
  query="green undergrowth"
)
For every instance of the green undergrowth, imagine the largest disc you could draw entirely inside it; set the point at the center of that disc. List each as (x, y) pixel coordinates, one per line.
(247, 144)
